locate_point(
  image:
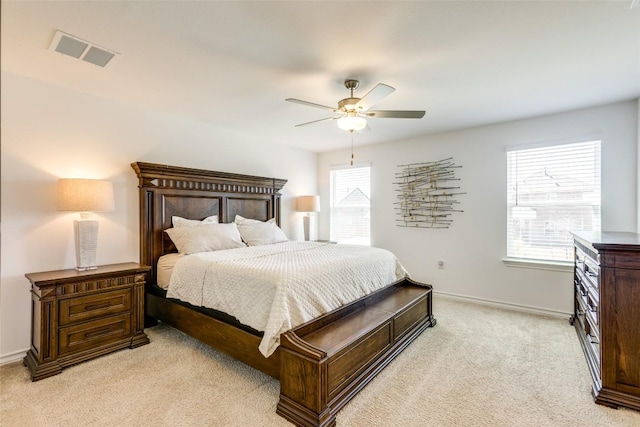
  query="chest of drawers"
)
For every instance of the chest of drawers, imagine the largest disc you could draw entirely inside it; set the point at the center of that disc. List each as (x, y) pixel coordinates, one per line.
(79, 315)
(607, 313)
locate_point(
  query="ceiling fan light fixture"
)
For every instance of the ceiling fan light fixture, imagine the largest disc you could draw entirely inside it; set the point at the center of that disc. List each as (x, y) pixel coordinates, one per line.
(352, 123)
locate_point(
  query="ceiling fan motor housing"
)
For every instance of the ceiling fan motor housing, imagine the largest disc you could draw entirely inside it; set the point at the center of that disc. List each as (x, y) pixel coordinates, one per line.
(348, 104)
(351, 84)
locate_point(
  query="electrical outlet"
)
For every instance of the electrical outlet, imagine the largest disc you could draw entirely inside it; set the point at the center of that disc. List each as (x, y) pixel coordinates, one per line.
(441, 265)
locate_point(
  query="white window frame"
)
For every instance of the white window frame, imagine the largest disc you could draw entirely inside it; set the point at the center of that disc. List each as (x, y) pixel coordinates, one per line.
(514, 199)
(335, 234)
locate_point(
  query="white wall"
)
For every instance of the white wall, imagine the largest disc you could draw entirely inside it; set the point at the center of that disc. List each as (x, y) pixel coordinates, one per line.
(50, 132)
(473, 248)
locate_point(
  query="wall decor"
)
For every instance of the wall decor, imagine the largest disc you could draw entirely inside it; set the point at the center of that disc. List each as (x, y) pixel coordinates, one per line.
(426, 194)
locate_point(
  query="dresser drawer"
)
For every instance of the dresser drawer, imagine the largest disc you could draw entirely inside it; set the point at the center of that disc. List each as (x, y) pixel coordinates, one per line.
(593, 306)
(99, 284)
(91, 335)
(589, 331)
(587, 269)
(592, 329)
(95, 306)
(581, 290)
(581, 311)
(588, 280)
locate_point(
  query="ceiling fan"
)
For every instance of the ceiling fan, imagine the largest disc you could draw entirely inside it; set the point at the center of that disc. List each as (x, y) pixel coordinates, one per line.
(354, 112)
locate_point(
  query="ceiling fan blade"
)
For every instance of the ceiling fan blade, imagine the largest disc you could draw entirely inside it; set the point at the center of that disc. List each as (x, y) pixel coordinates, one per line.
(378, 114)
(316, 121)
(374, 96)
(310, 104)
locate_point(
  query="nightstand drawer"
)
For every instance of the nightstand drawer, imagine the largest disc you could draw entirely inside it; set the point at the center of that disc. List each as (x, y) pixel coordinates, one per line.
(95, 306)
(91, 335)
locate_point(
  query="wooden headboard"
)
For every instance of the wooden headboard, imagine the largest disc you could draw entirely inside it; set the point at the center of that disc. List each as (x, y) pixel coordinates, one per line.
(166, 191)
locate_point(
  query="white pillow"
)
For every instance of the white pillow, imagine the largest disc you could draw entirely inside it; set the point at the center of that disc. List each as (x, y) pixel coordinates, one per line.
(256, 233)
(205, 237)
(242, 220)
(178, 221)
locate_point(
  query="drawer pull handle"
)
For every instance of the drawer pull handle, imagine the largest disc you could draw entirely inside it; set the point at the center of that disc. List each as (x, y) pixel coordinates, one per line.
(97, 306)
(591, 274)
(97, 333)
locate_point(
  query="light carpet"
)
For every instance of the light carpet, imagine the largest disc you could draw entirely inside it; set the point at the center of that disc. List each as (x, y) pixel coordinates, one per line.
(480, 366)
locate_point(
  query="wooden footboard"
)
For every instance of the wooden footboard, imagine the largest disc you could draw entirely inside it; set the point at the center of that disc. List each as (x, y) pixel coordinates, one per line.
(326, 362)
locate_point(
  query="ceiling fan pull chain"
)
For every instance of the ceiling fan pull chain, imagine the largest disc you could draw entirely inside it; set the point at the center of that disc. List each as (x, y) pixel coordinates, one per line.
(351, 147)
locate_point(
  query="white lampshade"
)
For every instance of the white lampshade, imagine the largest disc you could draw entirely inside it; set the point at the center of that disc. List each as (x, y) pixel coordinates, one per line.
(351, 122)
(308, 204)
(85, 195)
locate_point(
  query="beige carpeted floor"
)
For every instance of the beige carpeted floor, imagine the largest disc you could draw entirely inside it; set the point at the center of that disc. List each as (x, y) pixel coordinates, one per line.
(480, 366)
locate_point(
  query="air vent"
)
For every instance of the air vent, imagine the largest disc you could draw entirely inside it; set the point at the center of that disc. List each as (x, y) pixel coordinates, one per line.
(75, 47)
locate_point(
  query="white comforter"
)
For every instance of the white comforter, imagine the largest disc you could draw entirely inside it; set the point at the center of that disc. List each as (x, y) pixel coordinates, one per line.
(274, 288)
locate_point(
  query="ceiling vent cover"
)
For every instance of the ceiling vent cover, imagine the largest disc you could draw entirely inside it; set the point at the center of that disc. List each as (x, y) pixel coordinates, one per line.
(75, 47)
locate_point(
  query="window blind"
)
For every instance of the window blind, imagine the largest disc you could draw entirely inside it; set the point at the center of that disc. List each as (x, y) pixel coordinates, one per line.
(550, 192)
(350, 193)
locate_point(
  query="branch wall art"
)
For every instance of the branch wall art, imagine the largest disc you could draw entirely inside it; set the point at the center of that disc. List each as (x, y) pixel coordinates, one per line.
(427, 194)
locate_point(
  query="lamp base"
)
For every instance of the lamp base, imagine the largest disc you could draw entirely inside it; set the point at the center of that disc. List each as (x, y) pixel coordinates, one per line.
(305, 223)
(86, 239)
(86, 268)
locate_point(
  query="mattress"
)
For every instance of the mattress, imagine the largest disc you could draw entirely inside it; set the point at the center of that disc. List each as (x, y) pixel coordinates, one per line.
(165, 268)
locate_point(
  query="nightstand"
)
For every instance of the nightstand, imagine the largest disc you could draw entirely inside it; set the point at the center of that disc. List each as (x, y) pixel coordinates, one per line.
(79, 315)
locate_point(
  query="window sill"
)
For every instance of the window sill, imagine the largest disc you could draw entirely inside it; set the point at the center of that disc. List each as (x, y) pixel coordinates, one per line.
(564, 266)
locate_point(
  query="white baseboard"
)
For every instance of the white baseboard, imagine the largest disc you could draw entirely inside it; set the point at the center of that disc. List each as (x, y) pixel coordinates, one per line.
(505, 305)
(12, 357)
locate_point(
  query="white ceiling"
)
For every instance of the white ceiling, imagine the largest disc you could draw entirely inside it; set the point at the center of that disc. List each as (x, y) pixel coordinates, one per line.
(232, 63)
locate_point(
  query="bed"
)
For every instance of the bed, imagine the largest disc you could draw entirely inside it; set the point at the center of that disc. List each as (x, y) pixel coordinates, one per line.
(322, 363)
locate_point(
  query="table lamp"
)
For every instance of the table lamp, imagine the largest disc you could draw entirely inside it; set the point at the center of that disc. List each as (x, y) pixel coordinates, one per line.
(85, 196)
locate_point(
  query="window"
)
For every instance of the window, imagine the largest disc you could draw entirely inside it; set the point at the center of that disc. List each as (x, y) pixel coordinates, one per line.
(350, 193)
(551, 191)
